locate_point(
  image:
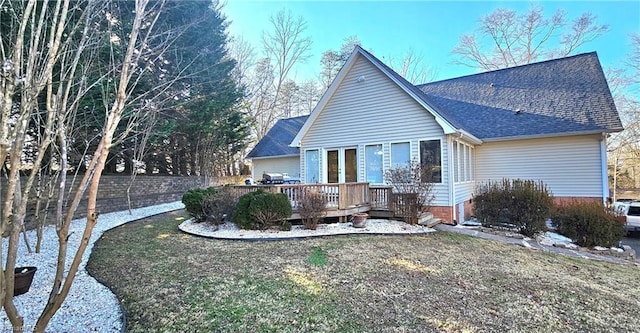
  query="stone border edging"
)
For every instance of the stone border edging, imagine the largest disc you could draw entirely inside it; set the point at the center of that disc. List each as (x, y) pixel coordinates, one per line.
(299, 233)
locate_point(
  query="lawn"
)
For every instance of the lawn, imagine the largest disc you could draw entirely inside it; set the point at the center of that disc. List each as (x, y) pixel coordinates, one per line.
(442, 282)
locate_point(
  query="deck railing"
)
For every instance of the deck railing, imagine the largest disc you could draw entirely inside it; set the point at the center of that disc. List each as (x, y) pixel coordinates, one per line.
(380, 197)
(339, 196)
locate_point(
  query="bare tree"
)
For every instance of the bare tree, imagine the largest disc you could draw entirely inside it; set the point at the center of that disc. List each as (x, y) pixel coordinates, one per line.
(244, 55)
(506, 39)
(46, 53)
(624, 147)
(270, 87)
(332, 61)
(309, 95)
(412, 67)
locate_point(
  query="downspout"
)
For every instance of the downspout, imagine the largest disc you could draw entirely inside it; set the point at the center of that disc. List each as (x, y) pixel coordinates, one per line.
(605, 169)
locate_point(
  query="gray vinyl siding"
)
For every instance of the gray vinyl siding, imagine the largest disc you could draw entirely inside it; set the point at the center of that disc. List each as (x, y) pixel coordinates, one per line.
(570, 166)
(464, 191)
(374, 111)
(290, 165)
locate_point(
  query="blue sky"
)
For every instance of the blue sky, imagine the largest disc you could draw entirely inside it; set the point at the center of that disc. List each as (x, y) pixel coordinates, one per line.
(430, 28)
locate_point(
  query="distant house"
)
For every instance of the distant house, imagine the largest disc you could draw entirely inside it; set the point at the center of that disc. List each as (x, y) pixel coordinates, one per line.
(547, 121)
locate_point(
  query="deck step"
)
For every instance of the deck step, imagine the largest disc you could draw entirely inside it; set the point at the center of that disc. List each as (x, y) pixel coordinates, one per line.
(427, 219)
(424, 216)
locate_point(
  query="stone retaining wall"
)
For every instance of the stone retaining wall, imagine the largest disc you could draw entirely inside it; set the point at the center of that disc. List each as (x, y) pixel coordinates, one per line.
(112, 193)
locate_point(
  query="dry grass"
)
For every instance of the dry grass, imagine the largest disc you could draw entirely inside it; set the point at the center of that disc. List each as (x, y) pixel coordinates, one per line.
(442, 282)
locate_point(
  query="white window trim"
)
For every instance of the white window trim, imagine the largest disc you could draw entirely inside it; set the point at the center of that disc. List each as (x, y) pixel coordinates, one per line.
(442, 161)
(461, 170)
(391, 143)
(321, 160)
(364, 161)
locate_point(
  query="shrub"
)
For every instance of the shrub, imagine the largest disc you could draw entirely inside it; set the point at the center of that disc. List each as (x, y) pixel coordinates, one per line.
(262, 210)
(241, 216)
(526, 204)
(589, 224)
(413, 189)
(219, 205)
(193, 201)
(311, 207)
(268, 209)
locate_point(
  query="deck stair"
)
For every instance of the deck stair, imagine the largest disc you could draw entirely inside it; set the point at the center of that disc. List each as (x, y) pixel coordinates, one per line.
(426, 219)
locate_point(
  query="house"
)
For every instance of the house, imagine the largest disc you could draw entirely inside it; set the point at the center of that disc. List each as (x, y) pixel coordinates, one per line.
(273, 153)
(546, 121)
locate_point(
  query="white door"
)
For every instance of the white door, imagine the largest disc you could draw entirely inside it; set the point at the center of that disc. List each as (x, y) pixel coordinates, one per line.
(342, 165)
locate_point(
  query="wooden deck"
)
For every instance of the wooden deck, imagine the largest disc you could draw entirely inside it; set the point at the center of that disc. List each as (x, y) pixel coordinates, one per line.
(343, 199)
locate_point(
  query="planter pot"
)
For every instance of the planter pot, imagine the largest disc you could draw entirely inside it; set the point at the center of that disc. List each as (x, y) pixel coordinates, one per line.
(23, 279)
(360, 220)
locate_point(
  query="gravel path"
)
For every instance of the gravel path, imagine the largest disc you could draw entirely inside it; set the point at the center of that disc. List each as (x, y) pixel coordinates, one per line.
(90, 306)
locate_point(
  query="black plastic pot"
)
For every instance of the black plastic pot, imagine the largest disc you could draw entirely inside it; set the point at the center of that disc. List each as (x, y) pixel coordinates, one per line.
(23, 279)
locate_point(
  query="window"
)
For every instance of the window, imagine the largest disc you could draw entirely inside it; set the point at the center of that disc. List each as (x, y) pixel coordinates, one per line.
(456, 163)
(373, 163)
(400, 155)
(430, 156)
(462, 162)
(312, 164)
(467, 163)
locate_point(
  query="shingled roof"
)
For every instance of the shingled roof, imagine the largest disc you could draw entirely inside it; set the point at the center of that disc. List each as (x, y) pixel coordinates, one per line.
(566, 96)
(277, 140)
(555, 97)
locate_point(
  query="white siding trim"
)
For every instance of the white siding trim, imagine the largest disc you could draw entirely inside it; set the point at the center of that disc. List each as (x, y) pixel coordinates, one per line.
(605, 168)
(450, 182)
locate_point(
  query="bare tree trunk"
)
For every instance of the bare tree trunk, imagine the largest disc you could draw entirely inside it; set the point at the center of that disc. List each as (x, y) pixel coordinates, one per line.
(60, 291)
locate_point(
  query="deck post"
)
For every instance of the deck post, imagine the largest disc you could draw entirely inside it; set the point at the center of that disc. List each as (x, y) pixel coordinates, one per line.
(342, 196)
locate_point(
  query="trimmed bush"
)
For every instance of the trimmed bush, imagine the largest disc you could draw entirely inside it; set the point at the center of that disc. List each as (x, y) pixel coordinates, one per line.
(241, 216)
(525, 204)
(262, 210)
(589, 224)
(270, 210)
(219, 206)
(193, 201)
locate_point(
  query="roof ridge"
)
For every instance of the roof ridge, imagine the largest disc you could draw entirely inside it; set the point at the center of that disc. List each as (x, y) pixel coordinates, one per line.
(592, 53)
(296, 117)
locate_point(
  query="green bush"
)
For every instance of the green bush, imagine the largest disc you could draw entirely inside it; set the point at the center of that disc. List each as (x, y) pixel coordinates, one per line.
(589, 224)
(193, 201)
(526, 204)
(270, 209)
(262, 210)
(241, 216)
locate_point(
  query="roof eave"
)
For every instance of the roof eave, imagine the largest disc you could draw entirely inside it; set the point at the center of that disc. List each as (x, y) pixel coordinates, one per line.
(550, 135)
(274, 156)
(462, 134)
